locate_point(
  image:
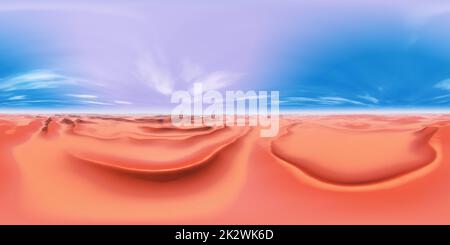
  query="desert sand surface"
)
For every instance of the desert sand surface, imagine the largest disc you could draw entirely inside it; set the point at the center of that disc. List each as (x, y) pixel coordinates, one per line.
(335, 169)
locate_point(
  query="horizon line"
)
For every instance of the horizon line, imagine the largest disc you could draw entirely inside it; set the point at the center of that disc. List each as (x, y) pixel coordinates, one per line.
(281, 112)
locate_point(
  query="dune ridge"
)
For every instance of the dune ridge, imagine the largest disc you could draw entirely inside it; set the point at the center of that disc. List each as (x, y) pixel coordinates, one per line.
(350, 160)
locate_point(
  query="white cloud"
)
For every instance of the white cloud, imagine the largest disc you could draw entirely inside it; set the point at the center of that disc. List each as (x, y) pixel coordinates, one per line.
(303, 99)
(17, 97)
(38, 79)
(83, 96)
(217, 80)
(444, 84)
(369, 98)
(153, 70)
(94, 102)
(326, 100)
(190, 71)
(123, 102)
(341, 100)
(441, 97)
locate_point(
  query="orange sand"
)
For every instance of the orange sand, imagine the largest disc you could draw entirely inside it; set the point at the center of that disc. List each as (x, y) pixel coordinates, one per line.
(359, 169)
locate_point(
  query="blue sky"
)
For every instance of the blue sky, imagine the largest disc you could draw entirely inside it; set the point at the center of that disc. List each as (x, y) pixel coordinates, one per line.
(131, 55)
(374, 63)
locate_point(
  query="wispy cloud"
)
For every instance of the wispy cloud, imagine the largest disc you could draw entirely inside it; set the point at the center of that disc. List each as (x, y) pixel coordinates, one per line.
(83, 96)
(218, 80)
(38, 79)
(445, 96)
(369, 98)
(303, 99)
(95, 102)
(325, 100)
(154, 71)
(48, 88)
(190, 71)
(17, 97)
(340, 100)
(122, 102)
(444, 84)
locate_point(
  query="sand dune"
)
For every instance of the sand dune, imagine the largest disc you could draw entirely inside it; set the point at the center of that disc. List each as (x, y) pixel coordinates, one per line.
(363, 169)
(345, 156)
